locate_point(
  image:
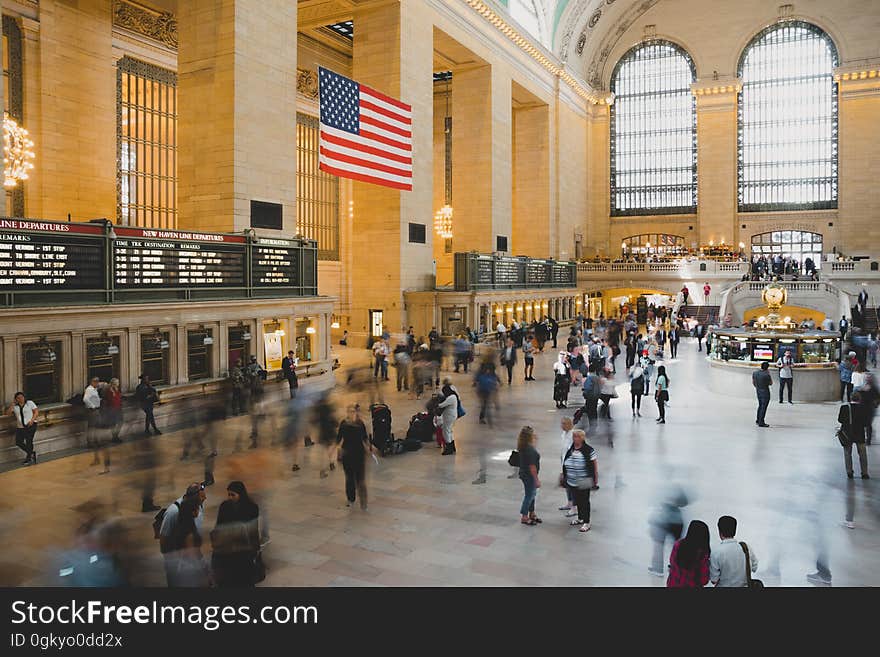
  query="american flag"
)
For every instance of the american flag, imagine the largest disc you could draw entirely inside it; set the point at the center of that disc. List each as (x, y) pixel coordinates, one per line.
(365, 135)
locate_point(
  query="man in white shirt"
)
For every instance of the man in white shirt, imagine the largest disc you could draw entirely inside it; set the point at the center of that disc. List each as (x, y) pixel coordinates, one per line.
(786, 376)
(501, 330)
(25, 413)
(727, 565)
(92, 403)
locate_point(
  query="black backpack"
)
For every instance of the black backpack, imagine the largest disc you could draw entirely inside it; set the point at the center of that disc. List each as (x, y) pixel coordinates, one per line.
(637, 387)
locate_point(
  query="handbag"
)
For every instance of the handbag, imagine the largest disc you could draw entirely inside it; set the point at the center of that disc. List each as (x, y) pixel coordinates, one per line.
(842, 436)
(584, 483)
(513, 461)
(750, 582)
(461, 411)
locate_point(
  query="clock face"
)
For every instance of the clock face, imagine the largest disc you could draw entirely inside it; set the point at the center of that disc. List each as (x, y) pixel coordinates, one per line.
(774, 295)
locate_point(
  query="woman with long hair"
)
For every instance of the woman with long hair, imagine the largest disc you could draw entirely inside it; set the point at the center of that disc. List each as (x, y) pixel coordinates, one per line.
(529, 466)
(236, 539)
(689, 561)
(661, 393)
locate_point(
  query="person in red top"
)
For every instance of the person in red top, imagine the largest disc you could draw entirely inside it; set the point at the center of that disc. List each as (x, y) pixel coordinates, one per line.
(685, 293)
(111, 405)
(689, 561)
(707, 290)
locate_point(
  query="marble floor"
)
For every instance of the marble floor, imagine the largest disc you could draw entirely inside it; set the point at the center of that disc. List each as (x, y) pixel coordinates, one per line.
(429, 525)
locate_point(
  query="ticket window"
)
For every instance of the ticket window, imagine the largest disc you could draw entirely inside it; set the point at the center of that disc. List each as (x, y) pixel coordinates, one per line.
(199, 347)
(239, 345)
(102, 358)
(303, 349)
(42, 372)
(155, 359)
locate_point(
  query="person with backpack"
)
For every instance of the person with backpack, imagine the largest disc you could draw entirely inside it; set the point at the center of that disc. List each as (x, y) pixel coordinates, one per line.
(188, 568)
(661, 394)
(147, 395)
(165, 524)
(590, 390)
(637, 388)
(853, 418)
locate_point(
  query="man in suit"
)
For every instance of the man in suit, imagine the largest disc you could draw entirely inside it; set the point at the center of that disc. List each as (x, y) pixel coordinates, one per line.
(660, 336)
(674, 339)
(288, 367)
(508, 358)
(700, 333)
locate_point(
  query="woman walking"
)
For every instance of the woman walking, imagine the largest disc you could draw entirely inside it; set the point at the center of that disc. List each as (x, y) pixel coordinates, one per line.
(354, 446)
(562, 380)
(689, 561)
(580, 475)
(236, 539)
(637, 388)
(529, 466)
(661, 394)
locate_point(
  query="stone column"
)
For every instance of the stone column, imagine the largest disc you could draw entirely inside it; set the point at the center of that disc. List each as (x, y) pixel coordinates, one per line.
(597, 178)
(531, 182)
(859, 170)
(76, 160)
(236, 111)
(716, 160)
(481, 156)
(393, 53)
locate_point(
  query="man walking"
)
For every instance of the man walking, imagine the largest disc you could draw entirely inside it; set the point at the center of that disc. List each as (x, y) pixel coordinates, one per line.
(727, 564)
(147, 395)
(674, 339)
(786, 376)
(700, 333)
(25, 413)
(508, 359)
(762, 381)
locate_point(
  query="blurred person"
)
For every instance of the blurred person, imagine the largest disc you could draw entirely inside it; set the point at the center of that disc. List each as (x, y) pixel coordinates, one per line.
(97, 558)
(256, 376)
(111, 406)
(462, 351)
(529, 467)
(288, 370)
(727, 563)
(326, 424)
(562, 380)
(188, 568)
(637, 388)
(845, 370)
(487, 383)
(238, 378)
(236, 539)
(665, 522)
(422, 369)
(435, 353)
(762, 381)
(147, 396)
(354, 446)
(689, 560)
(853, 418)
(402, 360)
(508, 358)
(567, 426)
(871, 399)
(580, 475)
(528, 349)
(170, 517)
(295, 425)
(381, 352)
(26, 414)
(92, 404)
(591, 389)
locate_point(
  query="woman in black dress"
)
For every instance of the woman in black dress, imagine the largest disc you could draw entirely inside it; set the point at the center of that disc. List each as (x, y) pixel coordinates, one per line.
(236, 539)
(354, 446)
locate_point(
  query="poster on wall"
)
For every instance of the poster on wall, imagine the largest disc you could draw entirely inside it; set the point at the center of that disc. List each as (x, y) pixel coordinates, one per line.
(272, 342)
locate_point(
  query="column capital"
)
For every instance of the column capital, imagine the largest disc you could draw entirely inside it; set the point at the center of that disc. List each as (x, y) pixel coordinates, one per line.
(859, 80)
(715, 94)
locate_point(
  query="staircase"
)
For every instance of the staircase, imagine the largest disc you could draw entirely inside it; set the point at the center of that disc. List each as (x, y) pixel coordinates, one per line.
(701, 313)
(871, 321)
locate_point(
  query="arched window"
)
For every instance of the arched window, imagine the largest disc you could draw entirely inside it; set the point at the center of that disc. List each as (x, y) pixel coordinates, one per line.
(661, 243)
(797, 244)
(653, 132)
(787, 145)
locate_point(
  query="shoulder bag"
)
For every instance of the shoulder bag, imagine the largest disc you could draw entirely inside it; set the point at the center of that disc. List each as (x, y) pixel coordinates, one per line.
(513, 461)
(750, 582)
(842, 436)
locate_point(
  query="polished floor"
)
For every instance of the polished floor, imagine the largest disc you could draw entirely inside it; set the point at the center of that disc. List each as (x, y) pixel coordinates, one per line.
(428, 524)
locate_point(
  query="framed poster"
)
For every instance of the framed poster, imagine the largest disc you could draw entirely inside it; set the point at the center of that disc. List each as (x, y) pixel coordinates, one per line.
(274, 351)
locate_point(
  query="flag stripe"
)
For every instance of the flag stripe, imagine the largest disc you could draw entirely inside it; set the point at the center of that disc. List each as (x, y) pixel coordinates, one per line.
(339, 156)
(348, 173)
(368, 140)
(334, 150)
(367, 171)
(394, 116)
(384, 120)
(385, 140)
(347, 143)
(385, 127)
(379, 96)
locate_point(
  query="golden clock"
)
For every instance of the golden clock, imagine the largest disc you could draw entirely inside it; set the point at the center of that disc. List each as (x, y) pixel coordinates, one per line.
(774, 296)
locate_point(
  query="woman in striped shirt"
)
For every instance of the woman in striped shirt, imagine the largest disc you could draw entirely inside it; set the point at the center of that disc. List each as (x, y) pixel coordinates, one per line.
(580, 474)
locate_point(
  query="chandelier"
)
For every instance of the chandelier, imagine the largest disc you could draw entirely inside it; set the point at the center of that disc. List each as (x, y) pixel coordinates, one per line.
(17, 154)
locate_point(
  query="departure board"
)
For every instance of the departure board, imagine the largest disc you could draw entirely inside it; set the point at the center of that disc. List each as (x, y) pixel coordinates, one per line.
(145, 258)
(38, 255)
(275, 263)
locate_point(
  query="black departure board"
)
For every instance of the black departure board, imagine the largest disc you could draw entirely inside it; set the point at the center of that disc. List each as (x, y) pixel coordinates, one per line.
(166, 263)
(537, 273)
(507, 273)
(50, 256)
(275, 263)
(563, 273)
